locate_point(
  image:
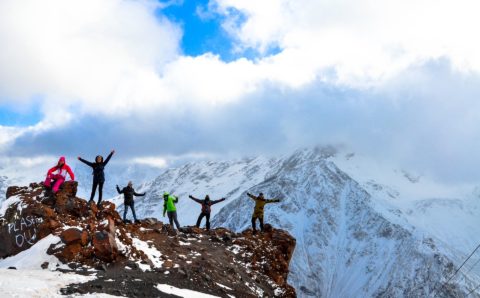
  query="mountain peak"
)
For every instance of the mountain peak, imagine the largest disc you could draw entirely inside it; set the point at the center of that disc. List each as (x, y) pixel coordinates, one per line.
(73, 236)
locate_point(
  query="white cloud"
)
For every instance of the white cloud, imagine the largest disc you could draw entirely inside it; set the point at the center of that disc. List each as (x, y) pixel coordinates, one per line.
(91, 55)
(116, 57)
(364, 42)
(356, 71)
(153, 161)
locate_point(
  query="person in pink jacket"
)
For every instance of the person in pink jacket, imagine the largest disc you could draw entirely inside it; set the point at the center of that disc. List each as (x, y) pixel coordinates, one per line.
(58, 174)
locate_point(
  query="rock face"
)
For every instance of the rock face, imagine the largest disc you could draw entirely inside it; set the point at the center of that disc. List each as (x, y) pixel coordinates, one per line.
(91, 237)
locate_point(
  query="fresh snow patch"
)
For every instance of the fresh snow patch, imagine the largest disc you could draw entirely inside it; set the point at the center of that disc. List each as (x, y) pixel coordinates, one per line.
(152, 253)
(35, 256)
(143, 267)
(182, 292)
(37, 283)
(7, 203)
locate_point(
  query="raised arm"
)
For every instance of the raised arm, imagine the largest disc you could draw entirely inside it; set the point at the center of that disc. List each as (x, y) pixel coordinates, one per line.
(119, 191)
(108, 157)
(218, 201)
(175, 200)
(251, 196)
(90, 164)
(195, 199)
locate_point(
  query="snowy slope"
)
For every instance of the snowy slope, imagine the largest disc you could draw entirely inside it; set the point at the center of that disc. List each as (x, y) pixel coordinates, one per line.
(352, 236)
(447, 213)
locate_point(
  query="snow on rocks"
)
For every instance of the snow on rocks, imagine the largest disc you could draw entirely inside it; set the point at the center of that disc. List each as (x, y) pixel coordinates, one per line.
(36, 283)
(182, 292)
(65, 233)
(35, 256)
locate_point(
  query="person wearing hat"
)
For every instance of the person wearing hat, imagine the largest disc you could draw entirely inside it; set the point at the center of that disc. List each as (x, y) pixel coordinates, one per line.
(170, 208)
(258, 212)
(98, 175)
(206, 209)
(128, 194)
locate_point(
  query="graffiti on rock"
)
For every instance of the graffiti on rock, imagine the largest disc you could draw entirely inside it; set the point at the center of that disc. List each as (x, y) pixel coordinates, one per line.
(24, 230)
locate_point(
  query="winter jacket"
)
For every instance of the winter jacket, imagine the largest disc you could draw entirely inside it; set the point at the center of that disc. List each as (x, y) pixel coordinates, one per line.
(128, 193)
(98, 167)
(169, 203)
(260, 205)
(61, 172)
(206, 204)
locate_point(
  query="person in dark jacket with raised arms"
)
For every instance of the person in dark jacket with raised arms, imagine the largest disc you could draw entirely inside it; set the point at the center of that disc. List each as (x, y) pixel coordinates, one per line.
(98, 175)
(258, 212)
(128, 194)
(206, 209)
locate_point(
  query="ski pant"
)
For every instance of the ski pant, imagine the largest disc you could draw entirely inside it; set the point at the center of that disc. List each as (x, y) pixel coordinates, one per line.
(57, 182)
(254, 219)
(132, 206)
(202, 215)
(97, 183)
(172, 217)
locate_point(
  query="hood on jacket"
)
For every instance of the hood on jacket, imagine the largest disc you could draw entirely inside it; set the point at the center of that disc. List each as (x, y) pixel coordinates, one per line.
(97, 157)
(61, 160)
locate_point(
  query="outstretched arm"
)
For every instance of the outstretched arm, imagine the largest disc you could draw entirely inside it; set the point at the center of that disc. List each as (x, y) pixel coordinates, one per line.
(90, 164)
(119, 191)
(195, 199)
(139, 194)
(218, 201)
(272, 201)
(108, 157)
(251, 196)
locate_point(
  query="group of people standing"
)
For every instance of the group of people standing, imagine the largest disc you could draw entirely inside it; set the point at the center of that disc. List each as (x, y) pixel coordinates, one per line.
(57, 175)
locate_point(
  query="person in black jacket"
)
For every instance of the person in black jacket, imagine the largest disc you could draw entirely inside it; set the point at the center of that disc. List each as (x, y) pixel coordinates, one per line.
(98, 175)
(128, 193)
(206, 209)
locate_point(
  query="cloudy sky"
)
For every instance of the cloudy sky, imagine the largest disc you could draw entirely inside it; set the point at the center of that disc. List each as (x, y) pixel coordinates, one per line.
(164, 80)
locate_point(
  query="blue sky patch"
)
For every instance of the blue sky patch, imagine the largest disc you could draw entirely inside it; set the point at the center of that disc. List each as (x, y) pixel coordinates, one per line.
(11, 115)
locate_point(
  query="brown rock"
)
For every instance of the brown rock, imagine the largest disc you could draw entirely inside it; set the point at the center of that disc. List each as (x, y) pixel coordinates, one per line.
(104, 245)
(71, 236)
(85, 238)
(168, 264)
(71, 252)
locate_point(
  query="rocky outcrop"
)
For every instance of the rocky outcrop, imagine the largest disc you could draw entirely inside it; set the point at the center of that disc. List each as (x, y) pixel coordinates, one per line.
(218, 262)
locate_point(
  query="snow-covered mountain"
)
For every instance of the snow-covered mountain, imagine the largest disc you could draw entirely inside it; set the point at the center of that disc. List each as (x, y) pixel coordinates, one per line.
(355, 237)
(363, 227)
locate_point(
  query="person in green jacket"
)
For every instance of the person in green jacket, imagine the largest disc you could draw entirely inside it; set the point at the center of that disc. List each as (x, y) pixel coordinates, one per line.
(258, 212)
(170, 208)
